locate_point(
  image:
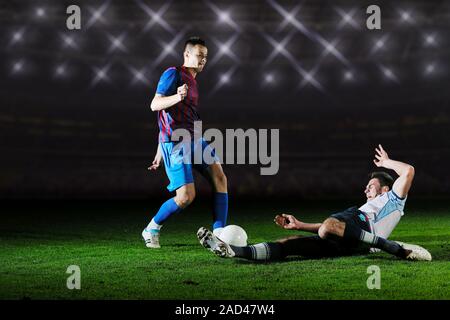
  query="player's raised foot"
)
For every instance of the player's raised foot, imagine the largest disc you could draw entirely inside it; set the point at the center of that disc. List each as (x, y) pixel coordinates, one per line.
(151, 239)
(416, 253)
(214, 244)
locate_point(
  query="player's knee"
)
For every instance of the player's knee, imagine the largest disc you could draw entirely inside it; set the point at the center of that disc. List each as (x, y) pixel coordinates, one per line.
(184, 199)
(221, 180)
(326, 229)
(323, 232)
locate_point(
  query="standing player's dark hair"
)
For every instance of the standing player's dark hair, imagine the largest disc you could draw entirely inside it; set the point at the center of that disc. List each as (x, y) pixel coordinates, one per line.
(194, 41)
(384, 178)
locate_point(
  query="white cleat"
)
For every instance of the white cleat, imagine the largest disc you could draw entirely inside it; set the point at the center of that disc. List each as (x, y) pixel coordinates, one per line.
(214, 244)
(417, 252)
(151, 239)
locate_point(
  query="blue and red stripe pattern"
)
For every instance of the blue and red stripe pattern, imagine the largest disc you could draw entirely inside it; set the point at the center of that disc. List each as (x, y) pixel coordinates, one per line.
(184, 113)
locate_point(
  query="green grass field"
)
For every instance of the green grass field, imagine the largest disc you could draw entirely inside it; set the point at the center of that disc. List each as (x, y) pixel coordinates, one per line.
(40, 240)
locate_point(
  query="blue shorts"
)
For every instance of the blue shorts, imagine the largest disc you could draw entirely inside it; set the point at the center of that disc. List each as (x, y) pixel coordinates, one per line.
(180, 158)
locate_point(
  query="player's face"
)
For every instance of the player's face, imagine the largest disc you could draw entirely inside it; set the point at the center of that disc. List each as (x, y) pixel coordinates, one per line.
(373, 189)
(197, 57)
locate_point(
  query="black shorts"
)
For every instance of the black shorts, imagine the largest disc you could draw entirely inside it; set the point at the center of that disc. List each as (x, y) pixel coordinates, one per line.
(353, 216)
(359, 219)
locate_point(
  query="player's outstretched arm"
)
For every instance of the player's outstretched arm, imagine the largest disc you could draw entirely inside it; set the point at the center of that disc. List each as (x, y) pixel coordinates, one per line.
(289, 222)
(161, 102)
(405, 171)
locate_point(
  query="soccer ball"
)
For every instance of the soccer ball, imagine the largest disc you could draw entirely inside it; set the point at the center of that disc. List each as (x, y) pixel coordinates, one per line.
(234, 235)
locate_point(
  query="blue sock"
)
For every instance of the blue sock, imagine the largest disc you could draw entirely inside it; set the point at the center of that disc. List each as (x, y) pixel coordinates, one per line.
(168, 208)
(220, 210)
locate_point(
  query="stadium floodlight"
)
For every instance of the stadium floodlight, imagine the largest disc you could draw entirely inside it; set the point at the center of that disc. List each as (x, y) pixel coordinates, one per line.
(430, 68)
(224, 49)
(269, 78)
(101, 74)
(379, 44)
(347, 18)
(117, 43)
(305, 31)
(97, 14)
(68, 41)
(405, 16)
(156, 17)
(388, 73)
(223, 16)
(138, 76)
(169, 48)
(279, 47)
(40, 12)
(289, 17)
(17, 36)
(18, 67)
(60, 70)
(430, 40)
(348, 75)
(308, 77)
(330, 47)
(224, 79)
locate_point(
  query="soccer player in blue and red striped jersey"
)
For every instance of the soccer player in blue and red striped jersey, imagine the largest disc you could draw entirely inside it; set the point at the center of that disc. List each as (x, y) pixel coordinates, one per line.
(176, 102)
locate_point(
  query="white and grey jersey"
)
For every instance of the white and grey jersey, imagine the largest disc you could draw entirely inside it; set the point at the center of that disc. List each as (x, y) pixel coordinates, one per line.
(384, 213)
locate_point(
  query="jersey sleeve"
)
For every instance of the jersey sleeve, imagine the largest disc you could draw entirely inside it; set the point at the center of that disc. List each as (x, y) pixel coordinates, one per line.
(396, 200)
(167, 84)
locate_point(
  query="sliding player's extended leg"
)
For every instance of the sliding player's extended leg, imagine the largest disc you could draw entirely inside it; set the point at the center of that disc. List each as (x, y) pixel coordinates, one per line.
(312, 247)
(332, 228)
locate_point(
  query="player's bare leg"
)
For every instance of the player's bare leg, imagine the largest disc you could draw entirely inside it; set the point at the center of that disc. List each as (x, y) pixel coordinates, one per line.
(185, 195)
(217, 177)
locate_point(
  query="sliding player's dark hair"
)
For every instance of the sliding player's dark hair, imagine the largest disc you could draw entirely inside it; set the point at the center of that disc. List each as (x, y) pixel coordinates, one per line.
(384, 178)
(194, 41)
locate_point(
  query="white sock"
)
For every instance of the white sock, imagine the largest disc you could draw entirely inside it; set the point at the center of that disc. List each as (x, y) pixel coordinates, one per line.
(260, 251)
(153, 225)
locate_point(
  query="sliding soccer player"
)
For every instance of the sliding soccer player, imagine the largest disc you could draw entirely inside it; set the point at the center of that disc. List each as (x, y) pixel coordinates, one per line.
(176, 102)
(350, 232)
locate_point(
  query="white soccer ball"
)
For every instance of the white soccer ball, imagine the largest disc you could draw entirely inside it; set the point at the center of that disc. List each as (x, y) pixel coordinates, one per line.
(234, 235)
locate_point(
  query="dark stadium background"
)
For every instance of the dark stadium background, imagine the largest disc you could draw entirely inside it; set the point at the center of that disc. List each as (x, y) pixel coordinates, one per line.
(65, 135)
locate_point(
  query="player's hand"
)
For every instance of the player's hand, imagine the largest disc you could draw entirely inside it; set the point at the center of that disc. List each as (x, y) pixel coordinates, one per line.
(287, 221)
(182, 91)
(381, 156)
(156, 163)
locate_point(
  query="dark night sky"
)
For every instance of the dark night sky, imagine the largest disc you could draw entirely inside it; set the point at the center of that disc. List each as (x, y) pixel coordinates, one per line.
(73, 136)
